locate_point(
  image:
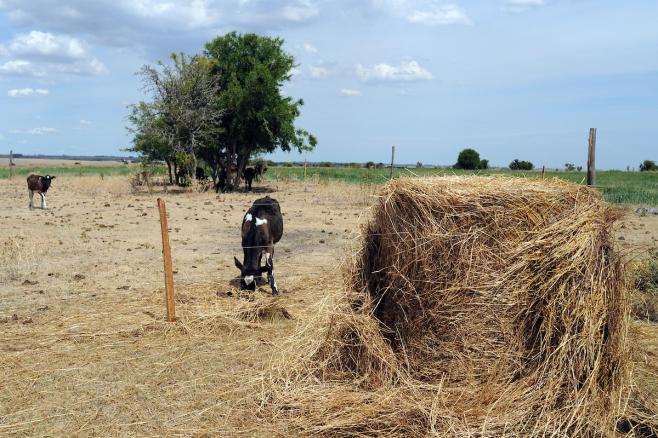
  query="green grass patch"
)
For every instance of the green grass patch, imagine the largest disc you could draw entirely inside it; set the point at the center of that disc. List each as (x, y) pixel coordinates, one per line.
(79, 170)
(617, 186)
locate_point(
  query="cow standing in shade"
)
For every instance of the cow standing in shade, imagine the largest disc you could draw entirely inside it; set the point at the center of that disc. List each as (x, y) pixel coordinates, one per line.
(249, 174)
(39, 184)
(262, 227)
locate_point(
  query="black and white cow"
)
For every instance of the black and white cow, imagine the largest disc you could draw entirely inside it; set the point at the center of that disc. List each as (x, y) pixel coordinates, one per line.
(262, 227)
(249, 174)
(39, 184)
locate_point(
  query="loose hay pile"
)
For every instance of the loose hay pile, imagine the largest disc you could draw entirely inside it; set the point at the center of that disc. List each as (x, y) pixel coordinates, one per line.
(475, 306)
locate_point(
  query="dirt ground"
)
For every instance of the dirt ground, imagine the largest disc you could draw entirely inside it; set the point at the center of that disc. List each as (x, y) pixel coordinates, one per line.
(84, 348)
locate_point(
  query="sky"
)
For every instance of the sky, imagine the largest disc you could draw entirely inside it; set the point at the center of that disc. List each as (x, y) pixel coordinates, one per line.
(513, 79)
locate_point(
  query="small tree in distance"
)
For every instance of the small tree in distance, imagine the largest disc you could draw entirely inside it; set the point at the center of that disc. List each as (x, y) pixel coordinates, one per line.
(648, 166)
(484, 164)
(521, 165)
(468, 159)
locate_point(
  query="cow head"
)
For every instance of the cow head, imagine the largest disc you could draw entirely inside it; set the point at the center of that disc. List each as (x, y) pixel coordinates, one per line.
(45, 182)
(255, 238)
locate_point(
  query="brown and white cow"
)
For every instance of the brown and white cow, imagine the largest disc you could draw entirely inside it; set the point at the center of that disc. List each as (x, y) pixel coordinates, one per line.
(262, 227)
(39, 184)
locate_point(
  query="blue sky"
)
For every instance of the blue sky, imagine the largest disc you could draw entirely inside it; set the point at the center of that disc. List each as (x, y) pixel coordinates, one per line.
(511, 78)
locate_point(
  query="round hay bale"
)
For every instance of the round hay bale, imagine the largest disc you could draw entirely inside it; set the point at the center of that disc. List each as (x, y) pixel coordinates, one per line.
(488, 305)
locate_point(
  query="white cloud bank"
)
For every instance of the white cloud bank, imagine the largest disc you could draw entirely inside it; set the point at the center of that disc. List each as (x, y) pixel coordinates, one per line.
(27, 92)
(406, 71)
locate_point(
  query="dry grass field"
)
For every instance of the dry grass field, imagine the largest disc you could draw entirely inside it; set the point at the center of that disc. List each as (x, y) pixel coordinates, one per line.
(84, 347)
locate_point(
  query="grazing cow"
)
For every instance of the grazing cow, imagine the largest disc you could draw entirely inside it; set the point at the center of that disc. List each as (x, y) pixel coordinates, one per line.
(249, 174)
(39, 184)
(262, 227)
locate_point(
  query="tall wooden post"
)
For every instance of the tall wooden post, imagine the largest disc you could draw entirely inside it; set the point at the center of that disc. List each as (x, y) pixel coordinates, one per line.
(11, 164)
(392, 160)
(166, 255)
(543, 170)
(591, 158)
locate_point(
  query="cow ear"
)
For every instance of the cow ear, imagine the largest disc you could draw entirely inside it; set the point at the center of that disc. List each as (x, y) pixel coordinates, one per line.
(52, 177)
(237, 263)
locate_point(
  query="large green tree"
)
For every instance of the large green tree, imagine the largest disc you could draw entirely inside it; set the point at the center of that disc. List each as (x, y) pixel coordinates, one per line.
(251, 71)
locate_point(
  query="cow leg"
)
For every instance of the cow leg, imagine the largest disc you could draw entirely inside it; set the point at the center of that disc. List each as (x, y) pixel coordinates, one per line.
(31, 205)
(44, 206)
(269, 263)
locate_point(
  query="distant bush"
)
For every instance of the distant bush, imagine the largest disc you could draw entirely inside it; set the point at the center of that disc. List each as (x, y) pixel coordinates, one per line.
(419, 165)
(288, 164)
(380, 165)
(521, 165)
(569, 167)
(484, 164)
(468, 159)
(354, 165)
(370, 164)
(324, 164)
(648, 166)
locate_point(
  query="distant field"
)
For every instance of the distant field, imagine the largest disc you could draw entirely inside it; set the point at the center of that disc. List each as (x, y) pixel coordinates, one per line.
(617, 186)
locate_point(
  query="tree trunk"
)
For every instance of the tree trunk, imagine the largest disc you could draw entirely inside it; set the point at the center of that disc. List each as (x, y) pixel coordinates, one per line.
(242, 162)
(171, 178)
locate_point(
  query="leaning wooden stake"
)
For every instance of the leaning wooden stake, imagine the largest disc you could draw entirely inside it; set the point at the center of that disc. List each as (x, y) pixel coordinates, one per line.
(392, 161)
(543, 170)
(591, 165)
(166, 255)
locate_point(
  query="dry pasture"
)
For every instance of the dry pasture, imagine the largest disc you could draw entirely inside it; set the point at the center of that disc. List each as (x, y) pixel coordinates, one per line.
(83, 343)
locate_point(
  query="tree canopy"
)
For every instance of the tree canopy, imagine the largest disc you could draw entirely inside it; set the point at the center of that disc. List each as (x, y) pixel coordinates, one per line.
(648, 166)
(223, 107)
(521, 165)
(251, 71)
(469, 159)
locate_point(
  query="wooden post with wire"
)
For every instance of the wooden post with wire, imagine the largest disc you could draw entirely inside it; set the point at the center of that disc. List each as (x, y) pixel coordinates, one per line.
(591, 158)
(543, 170)
(11, 164)
(392, 160)
(168, 270)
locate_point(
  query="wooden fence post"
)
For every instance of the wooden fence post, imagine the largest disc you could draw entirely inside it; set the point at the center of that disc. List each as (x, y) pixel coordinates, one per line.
(166, 255)
(591, 158)
(392, 160)
(11, 164)
(305, 169)
(543, 170)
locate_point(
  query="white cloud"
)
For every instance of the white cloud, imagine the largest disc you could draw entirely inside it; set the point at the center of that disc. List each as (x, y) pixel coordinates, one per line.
(318, 72)
(41, 53)
(427, 12)
(20, 67)
(349, 92)
(46, 45)
(439, 15)
(522, 5)
(309, 48)
(27, 92)
(35, 131)
(406, 71)
(85, 122)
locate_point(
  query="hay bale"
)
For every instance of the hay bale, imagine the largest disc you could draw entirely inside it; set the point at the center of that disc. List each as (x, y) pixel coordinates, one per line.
(488, 306)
